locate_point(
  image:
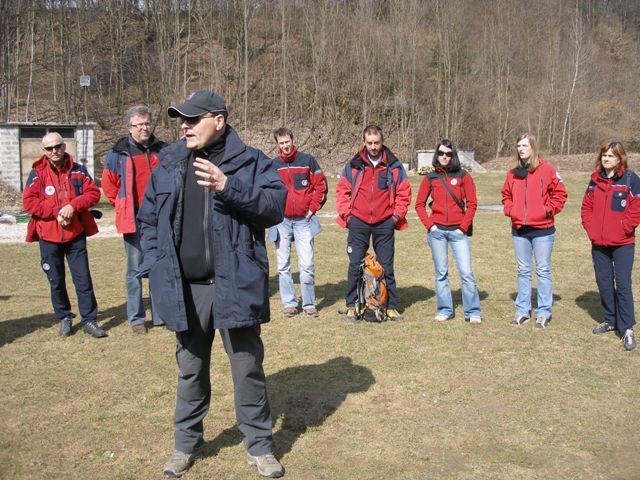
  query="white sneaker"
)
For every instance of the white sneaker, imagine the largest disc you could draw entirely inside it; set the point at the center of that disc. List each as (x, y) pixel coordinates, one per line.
(441, 317)
(475, 320)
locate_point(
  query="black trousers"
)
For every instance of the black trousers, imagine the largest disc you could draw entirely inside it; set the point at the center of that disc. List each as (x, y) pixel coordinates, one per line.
(52, 257)
(613, 267)
(382, 235)
(193, 354)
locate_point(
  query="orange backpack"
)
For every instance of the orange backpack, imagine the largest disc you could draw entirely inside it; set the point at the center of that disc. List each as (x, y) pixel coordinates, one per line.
(371, 304)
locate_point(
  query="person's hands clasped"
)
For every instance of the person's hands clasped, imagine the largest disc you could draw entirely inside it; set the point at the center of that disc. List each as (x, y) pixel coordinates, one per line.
(65, 215)
(210, 175)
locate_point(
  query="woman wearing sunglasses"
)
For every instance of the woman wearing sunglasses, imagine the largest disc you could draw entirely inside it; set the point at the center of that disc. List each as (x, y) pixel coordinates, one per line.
(532, 195)
(453, 205)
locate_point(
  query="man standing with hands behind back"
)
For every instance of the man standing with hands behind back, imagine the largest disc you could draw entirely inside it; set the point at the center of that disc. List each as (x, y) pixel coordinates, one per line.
(126, 173)
(202, 225)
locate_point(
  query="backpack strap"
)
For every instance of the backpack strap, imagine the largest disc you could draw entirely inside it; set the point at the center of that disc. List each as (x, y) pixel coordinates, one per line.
(459, 202)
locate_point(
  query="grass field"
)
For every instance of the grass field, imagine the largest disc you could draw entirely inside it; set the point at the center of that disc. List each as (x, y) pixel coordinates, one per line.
(407, 400)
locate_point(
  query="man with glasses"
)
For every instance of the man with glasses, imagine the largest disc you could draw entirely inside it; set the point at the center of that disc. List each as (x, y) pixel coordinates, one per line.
(127, 170)
(202, 224)
(58, 195)
(372, 198)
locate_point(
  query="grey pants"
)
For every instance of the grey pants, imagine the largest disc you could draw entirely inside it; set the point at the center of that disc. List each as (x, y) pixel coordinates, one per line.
(193, 354)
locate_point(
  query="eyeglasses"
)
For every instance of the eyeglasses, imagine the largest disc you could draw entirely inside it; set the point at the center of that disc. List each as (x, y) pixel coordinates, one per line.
(54, 147)
(445, 154)
(140, 126)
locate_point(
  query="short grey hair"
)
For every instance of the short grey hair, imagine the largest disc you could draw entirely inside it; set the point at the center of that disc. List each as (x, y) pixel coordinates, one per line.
(137, 110)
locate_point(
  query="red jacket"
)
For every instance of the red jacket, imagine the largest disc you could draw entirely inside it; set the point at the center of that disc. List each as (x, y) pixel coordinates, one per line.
(534, 200)
(125, 177)
(48, 190)
(444, 209)
(306, 184)
(373, 194)
(610, 209)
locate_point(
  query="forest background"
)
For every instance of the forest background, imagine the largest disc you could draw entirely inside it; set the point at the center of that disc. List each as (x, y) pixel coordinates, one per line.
(478, 72)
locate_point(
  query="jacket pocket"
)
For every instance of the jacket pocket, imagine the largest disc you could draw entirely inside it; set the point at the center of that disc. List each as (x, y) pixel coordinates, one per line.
(619, 201)
(300, 181)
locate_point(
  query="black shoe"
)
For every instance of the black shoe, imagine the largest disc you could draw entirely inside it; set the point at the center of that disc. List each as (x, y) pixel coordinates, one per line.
(65, 327)
(604, 327)
(94, 330)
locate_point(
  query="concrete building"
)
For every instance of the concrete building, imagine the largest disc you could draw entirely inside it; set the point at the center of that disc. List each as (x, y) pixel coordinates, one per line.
(20, 146)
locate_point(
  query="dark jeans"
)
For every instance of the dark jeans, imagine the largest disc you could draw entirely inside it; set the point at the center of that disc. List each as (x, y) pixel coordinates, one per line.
(245, 351)
(382, 235)
(613, 266)
(52, 257)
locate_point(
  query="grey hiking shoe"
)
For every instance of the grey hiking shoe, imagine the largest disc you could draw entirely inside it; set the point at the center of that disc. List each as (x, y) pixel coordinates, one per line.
(268, 465)
(65, 327)
(520, 320)
(542, 322)
(629, 340)
(94, 330)
(604, 327)
(178, 464)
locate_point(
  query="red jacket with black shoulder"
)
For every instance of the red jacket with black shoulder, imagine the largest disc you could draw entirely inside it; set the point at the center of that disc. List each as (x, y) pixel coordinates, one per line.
(373, 194)
(306, 184)
(610, 209)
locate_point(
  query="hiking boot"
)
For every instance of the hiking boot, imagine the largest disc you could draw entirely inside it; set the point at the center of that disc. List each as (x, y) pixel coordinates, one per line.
(139, 328)
(394, 315)
(94, 330)
(604, 327)
(350, 316)
(289, 312)
(178, 464)
(65, 327)
(268, 465)
(629, 340)
(475, 320)
(311, 312)
(442, 317)
(520, 320)
(542, 322)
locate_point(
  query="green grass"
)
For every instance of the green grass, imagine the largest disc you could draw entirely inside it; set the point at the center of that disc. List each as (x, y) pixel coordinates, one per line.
(404, 400)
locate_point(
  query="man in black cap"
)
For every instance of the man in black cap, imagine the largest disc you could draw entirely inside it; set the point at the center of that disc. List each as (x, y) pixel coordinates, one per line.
(202, 225)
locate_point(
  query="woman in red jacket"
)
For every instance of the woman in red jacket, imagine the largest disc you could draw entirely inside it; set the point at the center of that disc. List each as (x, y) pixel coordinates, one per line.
(453, 206)
(610, 214)
(532, 195)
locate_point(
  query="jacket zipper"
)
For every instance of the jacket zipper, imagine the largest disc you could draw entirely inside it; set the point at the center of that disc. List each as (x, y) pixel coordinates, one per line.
(205, 227)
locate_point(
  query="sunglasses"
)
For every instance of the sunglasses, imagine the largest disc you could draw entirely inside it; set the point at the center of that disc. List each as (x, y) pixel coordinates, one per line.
(445, 154)
(196, 120)
(54, 147)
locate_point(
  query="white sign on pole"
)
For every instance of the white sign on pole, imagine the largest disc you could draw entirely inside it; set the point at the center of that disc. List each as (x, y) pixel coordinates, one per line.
(85, 81)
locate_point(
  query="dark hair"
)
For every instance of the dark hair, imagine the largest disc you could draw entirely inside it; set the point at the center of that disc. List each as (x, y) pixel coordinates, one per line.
(454, 164)
(373, 130)
(282, 132)
(618, 150)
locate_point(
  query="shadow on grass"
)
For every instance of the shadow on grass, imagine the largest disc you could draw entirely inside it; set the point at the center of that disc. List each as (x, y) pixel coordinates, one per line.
(590, 303)
(302, 398)
(16, 328)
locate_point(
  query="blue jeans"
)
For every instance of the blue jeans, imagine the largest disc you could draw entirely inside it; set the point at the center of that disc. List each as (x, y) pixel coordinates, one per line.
(439, 240)
(135, 307)
(541, 248)
(299, 231)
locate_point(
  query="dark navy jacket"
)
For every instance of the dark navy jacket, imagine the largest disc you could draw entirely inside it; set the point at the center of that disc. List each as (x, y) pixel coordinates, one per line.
(253, 199)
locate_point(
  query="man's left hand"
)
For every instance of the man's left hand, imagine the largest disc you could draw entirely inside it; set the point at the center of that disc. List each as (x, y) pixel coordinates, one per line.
(66, 212)
(210, 175)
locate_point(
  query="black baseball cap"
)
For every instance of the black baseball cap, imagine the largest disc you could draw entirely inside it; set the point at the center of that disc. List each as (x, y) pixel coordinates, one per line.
(199, 103)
